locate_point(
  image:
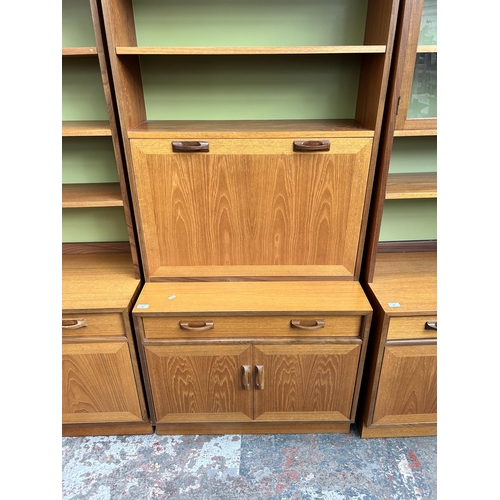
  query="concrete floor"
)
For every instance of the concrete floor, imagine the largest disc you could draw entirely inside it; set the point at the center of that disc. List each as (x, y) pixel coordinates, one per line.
(249, 467)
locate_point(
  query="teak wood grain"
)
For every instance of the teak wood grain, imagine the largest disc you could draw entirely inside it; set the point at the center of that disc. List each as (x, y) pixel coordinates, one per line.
(411, 186)
(251, 298)
(320, 49)
(109, 277)
(250, 202)
(407, 390)
(98, 384)
(89, 128)
(306, 382)
(91, 195)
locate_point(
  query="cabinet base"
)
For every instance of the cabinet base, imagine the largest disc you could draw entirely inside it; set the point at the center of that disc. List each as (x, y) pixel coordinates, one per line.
(408, 430)
(73, 430)
(254, 428)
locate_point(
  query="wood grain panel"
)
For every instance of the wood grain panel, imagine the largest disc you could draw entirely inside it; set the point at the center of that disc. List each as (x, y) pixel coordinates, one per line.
(251, 202)
(411, 328)
(199, 383)
(407, 391)
(98, 384)
(95, 325)
(306, 382)
(251, 326)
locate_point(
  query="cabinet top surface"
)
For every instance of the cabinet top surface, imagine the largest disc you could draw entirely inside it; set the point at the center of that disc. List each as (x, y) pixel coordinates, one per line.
(406, 282)
(251, 298)
(103, 282)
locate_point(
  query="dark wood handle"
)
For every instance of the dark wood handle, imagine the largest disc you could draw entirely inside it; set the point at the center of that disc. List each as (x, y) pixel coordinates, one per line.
(259, 377)
(73, 324)
(245, 375)
(195, 327)
(296, 323)
(311, 145)
(190, 146)
(431, 325)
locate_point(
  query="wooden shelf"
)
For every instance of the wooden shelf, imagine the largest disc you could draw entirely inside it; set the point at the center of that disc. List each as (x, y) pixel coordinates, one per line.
(408, 279)
(91, 195)
(189, 129)
(415, 132)
(88, 128)
(411, 186)
(79, 51)
(331, 49)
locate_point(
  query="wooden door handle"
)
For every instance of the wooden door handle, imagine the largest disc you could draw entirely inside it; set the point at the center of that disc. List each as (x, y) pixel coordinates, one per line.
(296, 323)
(431, 325)
(306, 146)
(190, 146)
(73, 324)
(259, 377)
(245, 377)
(199, 326)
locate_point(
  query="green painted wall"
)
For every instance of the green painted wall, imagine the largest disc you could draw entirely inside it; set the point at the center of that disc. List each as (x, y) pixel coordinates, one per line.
(93, 224)
(413, 154)
(249, 22)
(77, 28)
(250, 87)
(88, 159)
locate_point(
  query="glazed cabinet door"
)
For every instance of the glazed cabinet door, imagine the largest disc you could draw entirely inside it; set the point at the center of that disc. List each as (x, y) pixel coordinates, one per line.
(200, 383)
(251, 207)
(305, 382)
(407, 391)
(98, 384)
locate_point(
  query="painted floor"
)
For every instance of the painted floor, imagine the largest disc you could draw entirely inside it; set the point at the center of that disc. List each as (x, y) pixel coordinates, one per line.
(249, 467)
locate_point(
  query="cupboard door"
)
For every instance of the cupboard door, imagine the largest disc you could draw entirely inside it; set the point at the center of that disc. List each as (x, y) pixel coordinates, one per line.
(248, 202)
(305, 382)
(200, 383)
(407, 391)
(98, 384)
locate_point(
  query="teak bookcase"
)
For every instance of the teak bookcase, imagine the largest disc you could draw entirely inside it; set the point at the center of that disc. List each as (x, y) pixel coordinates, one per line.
(251, 155)
(102, 390)
(96, 178)
(399, 395)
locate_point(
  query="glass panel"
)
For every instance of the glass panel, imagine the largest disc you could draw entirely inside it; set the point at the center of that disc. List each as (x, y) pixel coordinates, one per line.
(428, 25)
(423, 99)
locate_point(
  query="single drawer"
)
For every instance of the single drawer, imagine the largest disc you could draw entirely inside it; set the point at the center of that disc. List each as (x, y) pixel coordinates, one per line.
(92, 324)
(413, 327)
(246, 326)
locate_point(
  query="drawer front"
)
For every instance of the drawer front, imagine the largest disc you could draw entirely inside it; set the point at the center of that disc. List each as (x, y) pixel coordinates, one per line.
(92, 324)
(413, 327)
(246, 326)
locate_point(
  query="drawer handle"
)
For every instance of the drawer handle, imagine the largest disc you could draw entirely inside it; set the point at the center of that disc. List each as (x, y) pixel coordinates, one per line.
(259, 377)
(295, 323)
(311, 145)
(190, 146)
(245, 373)
(431, 325)
(73, 324)
(206, 325)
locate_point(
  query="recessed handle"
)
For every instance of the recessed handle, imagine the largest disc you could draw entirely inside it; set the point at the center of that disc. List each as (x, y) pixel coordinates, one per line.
(196, 326)
(73, 324)
(245, 377)
(259, 377)
(317, 324)
(431, 325)
(190, 146)
(306, 146)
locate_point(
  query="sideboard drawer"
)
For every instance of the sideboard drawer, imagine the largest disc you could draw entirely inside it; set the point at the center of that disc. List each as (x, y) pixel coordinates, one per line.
(92, 324)
(246, 326)
(412, 327)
